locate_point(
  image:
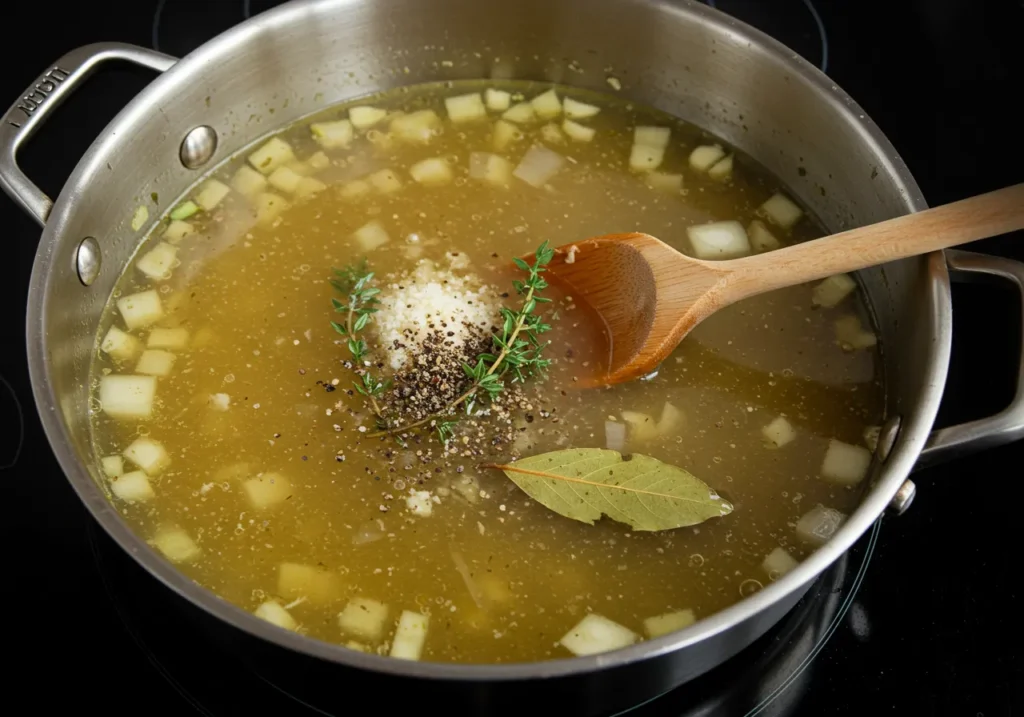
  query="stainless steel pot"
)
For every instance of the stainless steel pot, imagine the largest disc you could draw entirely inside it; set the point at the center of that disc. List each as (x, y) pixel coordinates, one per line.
(681, 57)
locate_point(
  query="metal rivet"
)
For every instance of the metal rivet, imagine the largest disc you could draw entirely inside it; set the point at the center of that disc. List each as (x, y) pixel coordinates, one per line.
(887, 436)
(903, 498)
(198, 146)
(87, 260)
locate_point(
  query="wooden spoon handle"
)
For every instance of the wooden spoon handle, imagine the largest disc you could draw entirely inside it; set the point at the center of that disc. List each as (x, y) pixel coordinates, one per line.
(967, 220)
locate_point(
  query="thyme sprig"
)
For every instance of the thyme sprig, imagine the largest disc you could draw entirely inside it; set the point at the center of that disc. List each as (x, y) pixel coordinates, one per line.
(356, 283)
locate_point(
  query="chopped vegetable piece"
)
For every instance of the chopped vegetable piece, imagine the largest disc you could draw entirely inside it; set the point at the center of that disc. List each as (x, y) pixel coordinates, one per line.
(777, 563)
(505, 133)
(220, 401)
(318, 161)
(271, 155)
(547, 105)
(538, 166)
(141, 309)
(371, 236)
(419, 503)
(497, 100)
(410, 636)
(167, 339)
(248, 182)
(364, 618)
(657, 137)
(669, 622)
(155, 362)
(132, 487)
(522, 113)
(431, 172)
(365, 117)
(852, 335)
(671, 419)
(574, 109)
(594, 634)
(267, 489)
(577, 132)
(871, 436)
(178, 230)
(184, 210)
(643, 158)
(211, 193)
(337, 134)
(833, 290)
(465, 108)
(642, 426)
(269, 207)
(158, 262)
(615, 436)
(127, 397)
(284, 179)
(308, 186)
(719, 240)
(662, 182)
(385, 181)
(147, 454)
(551, 134)
(120, 345)
(781, 210)
(819, 524)
(295, 581)
(844, 463)
(175, 544)
(705, 157)
(355, 189)
(490, 168)
(417, 126)
(721, 170)
(760, 238)
(139, 217)
(275, 614)
(779, 432)
(113, 466)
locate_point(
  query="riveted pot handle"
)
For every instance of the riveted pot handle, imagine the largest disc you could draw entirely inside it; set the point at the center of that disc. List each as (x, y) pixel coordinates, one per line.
(1007, 425)
(42, 97)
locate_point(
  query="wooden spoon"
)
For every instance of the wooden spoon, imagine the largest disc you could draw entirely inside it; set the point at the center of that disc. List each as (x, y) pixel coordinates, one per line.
(650, 296)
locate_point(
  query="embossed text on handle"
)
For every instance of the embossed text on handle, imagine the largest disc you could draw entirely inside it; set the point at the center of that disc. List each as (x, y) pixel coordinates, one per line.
(35, 98)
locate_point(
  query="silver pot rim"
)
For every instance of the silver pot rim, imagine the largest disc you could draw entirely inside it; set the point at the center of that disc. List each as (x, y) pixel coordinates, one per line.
(911, 441)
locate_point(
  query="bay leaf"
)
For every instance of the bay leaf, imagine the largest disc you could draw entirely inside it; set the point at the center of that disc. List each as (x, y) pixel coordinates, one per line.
(640, 491)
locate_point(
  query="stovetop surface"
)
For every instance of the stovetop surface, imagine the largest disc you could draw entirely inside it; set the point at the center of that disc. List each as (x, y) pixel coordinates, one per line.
(923, 617)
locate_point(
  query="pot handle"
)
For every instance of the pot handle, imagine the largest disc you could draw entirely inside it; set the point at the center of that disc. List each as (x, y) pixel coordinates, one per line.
(1007, 425)
(42, 97)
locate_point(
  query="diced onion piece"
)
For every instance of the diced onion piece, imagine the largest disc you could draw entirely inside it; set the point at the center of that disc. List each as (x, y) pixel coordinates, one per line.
(833, 290)
(577, 132)
(521, 113)
(538, 166)
(371, 236)
(497, 100)
(184, 210)
(644, 158)
(669, 622)
(167, 339)
(781, 210)
(119, 344)
(267, 489)
(248, 182)
(318, 161)
(719, 240)
(642, 426)
(844, 463)
(505, 133)
(574, 109)
(818, 525)
(269, 207)
(175, 544)
(652, 136)
(220, 401)
(308, 186)
(852, 335)
(365, 117)
(158, 262)
(271, 155)
(431, 172)
(139, 217)
(132, 487)
(671, 419)
(141, 309)
(211, 193)
(465, 108)
(721, 170)
(127, 397)
(295, 581)
(615, 436)
(284, 179)
(419, 503)
(417, 126)
(147, 454)
(662, 182)
(551, 134)
(490, 168)
(594, 634)
(113, 466)
(273, 612)
(779, 432)
(547, 105)
(364, 618)
(385, 181)
(155, 362)
(760, 238)
(355, 189)
(336, 134)
(179, 229)
(871, 436)
(777, 563)
(410, 635)
(705, 156)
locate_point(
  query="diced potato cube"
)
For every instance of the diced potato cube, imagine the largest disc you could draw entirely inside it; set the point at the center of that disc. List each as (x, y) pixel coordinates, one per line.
(337, 134)
(577, 132)
(410, 635)
(371, 236)
(852, 335)
(158, 262)
(364, 618)
(669, 622)
(175, 544)
(308, 186)
(574, 109)
(147, 454)
(662, 182)
(273, 612)
(551, 134)
(465, 108)
(354, 189)
(779, 432)
(431, 172)
(155, 362)
(538, 166)
(113, 466)
(760, 238)
(179, 229)
(269, 207)
(385, 181)
(248, 182)
(547, 105)
(671, 419)
(119, 344)
(497, 100)
(777, 563)
(211, 193)
(705, 156)
(141, 309)
(522, 113)
(127, 397)
(594, 634)
(871, 436)
(490, 168)
(781, 210)
(365, 117)
(267, 489)
(642, 427)
(318, 161)
(139, 217)
(657, 137)
(271, 155)
(419, 503)
(132, 487)
(220, 401)
(167, 338)
(844, 463)
(719, 240)
(722, 169)
(833, 290)
(418, 127)
(505, 133)
(819, 524)
(295, 581)
(284, 179)
(644, 158)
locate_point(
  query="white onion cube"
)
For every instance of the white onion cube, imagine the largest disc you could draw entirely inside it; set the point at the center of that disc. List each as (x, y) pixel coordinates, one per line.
(761, 239)
(465, 108)
(127, 397)
(147, 454)
(497, 100)
(490, 168)
(818, 525)
(615, 436)
(167, 338)
(594, 634)
(113, 466)
(669, 622)
(777, 563)
(371, 236)
(410, 636)
(431, 172)
(132, 487)
(176, 545)
(652, 136)
(871, 436)
(248, 182)
(336, 134)
(574, 109)
(119, 344)
(662, 182)
(644, 158)
(833, 290)
(319, 586)
(577, 132)
(852, 335)
(284, 179)
(671, 419)
(364, 618)
(155, 362)
(781, 210)
(275, 614)
(366, 117)
(538, 166)
(418, 127)
(178, 229)
(642, 427)
(267, 489)
(844, 463)
(271, 155)
(220, 401)
(419, 503)
(522, 113)
(779, 432)
(705, 156)
(141, 309)
(719, 240)
(211, 193)
(385, 181)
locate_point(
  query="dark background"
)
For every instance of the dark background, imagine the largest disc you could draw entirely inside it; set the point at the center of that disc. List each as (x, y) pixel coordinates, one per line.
(939, 617)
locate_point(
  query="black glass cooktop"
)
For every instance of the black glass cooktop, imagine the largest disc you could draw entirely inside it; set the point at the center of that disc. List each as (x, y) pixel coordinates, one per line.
(922, 617)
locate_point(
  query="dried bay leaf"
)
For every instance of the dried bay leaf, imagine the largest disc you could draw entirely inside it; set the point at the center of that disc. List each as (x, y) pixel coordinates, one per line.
(640, 491)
